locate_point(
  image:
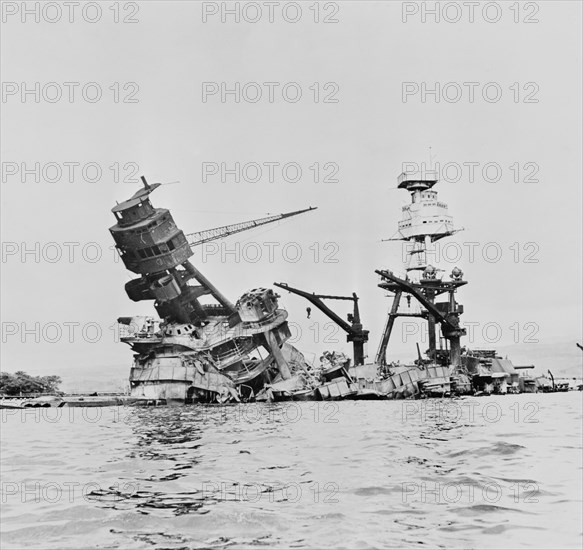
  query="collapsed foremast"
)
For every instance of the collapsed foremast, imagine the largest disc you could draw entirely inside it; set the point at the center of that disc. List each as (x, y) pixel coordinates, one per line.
(197, 351)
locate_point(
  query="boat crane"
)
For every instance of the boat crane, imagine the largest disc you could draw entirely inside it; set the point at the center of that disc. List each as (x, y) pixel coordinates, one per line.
(355, 332)
(207, 235)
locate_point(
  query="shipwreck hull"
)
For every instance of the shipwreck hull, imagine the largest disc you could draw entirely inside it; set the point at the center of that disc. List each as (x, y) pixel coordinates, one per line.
(399, 385)
(170, 392)
(224, 351)
(435, 381)
(336, 389)
(176, 378)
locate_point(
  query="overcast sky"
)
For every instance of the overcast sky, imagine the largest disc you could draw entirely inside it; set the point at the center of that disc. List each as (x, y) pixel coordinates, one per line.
(366, 136)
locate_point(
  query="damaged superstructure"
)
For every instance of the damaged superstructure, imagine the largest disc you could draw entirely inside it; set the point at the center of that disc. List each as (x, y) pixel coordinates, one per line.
(425, 221)
(197, 351)
(220, 351)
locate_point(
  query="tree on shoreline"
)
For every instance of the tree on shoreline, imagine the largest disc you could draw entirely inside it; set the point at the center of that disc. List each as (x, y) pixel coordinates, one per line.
(21, 382)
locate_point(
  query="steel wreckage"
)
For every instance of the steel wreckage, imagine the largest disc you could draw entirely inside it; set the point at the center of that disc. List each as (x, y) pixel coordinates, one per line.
(224, 352)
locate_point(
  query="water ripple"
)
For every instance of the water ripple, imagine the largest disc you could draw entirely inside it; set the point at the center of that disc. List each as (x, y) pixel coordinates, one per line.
(300, 475)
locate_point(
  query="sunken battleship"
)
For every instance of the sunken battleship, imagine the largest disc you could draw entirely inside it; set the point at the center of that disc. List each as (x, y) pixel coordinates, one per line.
(208, 352)
(223, 352)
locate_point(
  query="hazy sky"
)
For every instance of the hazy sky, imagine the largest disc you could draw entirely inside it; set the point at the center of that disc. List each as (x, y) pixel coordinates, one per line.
(528, 310)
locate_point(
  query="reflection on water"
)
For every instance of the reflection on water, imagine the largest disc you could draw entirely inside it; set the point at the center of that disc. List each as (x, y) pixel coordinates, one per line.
(497, 472)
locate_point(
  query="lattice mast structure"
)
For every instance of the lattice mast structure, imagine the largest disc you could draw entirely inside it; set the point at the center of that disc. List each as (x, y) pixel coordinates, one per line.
(424, 221)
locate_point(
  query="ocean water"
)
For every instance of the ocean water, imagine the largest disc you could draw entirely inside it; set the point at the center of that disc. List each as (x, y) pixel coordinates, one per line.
(492, 472)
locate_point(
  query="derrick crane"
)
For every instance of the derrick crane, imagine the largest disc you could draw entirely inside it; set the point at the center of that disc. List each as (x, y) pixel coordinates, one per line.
(207, 235)
(355, 332)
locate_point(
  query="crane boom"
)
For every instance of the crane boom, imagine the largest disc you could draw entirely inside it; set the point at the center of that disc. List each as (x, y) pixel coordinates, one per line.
(449, 322)
(201, 237)
(354, 330)
(316, 300)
